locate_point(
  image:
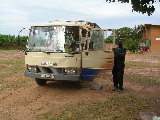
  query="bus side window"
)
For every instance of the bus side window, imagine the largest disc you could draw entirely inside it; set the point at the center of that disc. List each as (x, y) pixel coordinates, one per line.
(91, 45)
(86, 45)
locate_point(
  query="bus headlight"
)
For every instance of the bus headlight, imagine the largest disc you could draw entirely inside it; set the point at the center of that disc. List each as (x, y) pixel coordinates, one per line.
(69, 70)
(29, 67)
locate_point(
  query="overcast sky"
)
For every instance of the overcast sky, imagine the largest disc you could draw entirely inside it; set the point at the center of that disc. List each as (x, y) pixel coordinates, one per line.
(18, 14)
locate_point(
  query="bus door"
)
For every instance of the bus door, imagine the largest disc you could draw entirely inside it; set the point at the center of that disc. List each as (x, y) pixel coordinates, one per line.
(94, 55)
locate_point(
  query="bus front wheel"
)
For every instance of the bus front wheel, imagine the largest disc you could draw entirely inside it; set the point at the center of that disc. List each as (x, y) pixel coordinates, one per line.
(40, 82)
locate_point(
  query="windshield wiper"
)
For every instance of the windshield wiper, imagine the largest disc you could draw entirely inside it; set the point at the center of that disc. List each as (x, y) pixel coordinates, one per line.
(34, 50)
(48, 51)
(59, 50)
(72, 53)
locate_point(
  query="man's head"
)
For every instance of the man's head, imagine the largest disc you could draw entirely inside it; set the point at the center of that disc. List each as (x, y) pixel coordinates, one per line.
(120, 43)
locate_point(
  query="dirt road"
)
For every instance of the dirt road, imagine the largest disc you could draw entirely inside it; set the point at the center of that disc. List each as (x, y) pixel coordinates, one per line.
(30, 100)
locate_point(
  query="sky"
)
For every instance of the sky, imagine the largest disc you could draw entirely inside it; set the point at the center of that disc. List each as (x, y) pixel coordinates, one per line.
(18, 14)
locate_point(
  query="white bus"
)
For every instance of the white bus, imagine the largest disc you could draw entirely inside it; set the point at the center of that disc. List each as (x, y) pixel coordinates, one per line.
(69, 51)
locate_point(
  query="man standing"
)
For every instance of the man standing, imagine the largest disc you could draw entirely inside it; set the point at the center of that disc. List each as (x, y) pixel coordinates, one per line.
(118, 69)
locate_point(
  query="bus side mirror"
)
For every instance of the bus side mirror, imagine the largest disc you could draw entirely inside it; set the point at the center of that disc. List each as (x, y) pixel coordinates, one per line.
(19, 41)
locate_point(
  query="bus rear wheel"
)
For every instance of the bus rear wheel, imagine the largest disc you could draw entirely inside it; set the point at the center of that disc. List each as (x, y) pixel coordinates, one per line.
(40, 82)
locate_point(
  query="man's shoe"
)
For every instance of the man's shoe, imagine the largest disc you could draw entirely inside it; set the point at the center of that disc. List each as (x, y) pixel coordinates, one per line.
(120, 91)
(114, 89)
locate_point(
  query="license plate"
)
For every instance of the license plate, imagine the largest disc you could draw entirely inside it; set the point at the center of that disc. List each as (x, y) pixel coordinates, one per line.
(47, 76)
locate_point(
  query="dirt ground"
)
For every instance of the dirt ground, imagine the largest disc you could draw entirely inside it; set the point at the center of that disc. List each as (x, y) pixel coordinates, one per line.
(27, 102)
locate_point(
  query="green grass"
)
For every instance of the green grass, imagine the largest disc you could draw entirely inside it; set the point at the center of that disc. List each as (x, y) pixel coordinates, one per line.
(8, 51)
(116, 107)
(12, 62)
(13, 84)
(12, 80)
(142, 79)
(12, 77)
(156, 56)
(11, 72)
(135, 63)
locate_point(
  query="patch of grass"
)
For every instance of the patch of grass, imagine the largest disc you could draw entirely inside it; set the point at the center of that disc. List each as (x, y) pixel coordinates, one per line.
(13, 84)
(12, 62)
(142, 79)
(117, 107)
(8, 51)
(135, 63)
(156, 56)
(11, 71)
(11, 74)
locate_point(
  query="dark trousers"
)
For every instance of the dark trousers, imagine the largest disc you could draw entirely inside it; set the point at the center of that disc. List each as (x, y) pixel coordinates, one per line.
(118, 71)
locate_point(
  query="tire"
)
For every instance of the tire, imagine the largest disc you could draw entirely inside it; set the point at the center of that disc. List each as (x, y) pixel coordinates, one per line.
(80, 84)
(40, 82)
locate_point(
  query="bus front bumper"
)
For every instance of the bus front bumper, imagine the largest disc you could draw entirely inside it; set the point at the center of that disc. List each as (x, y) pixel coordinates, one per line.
(51, 76)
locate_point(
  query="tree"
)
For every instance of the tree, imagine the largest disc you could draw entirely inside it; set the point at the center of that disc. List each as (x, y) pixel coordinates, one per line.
(142, 6)
(109, 39)
(2, 39)
(24, 40)
(130, 37)
(12, 40)
(123, 33)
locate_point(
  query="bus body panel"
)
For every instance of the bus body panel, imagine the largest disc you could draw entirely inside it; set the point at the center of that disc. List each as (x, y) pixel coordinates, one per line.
(97, 59)
(53, 59)
(94, 61)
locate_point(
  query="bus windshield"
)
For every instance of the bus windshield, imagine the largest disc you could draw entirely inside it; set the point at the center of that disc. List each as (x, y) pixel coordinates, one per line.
(53, 38)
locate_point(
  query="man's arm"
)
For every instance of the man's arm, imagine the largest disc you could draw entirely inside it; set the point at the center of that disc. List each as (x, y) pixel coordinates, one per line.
(123, 51)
